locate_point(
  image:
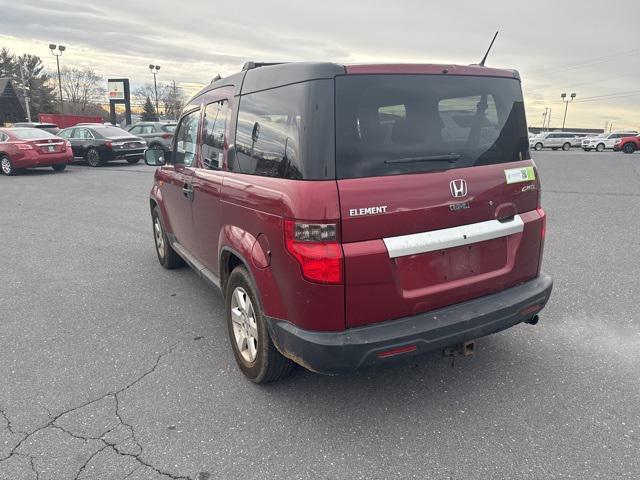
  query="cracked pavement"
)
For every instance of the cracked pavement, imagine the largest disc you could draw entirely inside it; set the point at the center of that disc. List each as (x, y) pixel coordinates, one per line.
(114, 368)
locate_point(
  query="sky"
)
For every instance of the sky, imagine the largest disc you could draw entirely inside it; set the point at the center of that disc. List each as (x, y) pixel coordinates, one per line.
(586, 47)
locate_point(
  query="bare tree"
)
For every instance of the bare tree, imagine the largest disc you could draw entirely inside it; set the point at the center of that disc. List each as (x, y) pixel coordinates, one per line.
(170, 97)
(82, 89)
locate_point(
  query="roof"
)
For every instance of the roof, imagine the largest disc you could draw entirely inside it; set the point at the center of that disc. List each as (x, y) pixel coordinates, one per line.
(261, 76)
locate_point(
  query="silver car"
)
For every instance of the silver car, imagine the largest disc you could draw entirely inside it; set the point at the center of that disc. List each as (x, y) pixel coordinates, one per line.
(157, 134)
(555, 140)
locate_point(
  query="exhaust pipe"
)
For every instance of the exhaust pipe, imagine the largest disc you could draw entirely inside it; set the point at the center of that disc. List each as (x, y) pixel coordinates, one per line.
(533, 320)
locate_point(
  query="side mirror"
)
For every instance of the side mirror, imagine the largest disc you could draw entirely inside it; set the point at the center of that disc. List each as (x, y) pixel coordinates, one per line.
(154, 157)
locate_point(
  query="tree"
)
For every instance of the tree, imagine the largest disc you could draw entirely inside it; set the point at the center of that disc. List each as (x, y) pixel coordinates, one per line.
(27, 74)
(8, 65)
(170, 98)
(82, 89)
(149, 113)
(38, 85)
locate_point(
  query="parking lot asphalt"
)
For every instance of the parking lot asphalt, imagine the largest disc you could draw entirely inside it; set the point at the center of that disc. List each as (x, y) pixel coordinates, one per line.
(114, 368)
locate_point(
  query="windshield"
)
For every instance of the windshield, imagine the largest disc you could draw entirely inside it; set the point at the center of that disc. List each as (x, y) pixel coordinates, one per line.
(393, 124)
(111, 132)
(31, 133)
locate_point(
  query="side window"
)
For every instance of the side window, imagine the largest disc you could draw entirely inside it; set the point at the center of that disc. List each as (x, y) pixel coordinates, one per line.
(65, 133)
(3, 137)
(187, 139)
(214, 127)
(136, 130)
(148, 129)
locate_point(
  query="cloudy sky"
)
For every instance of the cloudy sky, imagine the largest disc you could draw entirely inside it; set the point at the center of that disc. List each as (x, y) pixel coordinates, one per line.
(587, 46)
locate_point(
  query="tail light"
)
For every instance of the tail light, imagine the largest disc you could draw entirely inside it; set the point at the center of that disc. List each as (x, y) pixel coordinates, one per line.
(24, 146)
(108, 144)
(67, 145)
(166, 136)
(315, 246)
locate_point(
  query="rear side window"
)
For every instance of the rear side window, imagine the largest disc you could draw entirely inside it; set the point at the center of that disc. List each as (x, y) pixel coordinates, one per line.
(395, 124)
(214, 127)
(287, 132)
(168, 128)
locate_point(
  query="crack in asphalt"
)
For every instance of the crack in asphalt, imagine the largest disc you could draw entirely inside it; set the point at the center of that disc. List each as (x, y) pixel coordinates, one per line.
(106, 444)
(6, 419)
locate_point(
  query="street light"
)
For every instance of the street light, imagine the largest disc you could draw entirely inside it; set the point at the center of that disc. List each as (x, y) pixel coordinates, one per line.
(154, 70)
(60, 48)
(566, 105)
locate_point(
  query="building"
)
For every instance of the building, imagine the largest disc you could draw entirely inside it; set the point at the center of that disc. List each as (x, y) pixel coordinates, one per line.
(11, 107)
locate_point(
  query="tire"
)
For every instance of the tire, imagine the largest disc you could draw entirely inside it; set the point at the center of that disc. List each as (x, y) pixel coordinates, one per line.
(6, 166)
(554, 148)
(60, 167)
(628, 148)
(156, 146)
(167, 256)
(566, 147)
(133, 161)
(255, 353)
(93, 158)
(538, 146)
(587, 149)
(600, 147)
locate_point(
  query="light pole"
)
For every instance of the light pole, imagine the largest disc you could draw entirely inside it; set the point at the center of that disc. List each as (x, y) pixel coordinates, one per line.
(566, 105)
(60, 48)
(154, 70)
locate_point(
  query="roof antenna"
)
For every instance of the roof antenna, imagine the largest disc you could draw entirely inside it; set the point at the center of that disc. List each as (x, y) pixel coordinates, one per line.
(488, 50)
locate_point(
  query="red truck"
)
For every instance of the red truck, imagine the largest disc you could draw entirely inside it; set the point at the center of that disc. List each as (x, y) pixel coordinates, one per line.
(627, 144)
(353, 215)
(65, 121)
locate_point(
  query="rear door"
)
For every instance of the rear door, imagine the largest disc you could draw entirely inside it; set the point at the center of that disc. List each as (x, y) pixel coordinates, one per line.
(207, 181)
(177, 177)
(438, 195)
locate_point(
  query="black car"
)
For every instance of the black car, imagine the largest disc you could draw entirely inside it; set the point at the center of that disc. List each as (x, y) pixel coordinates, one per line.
(47, 127)
(98, 144)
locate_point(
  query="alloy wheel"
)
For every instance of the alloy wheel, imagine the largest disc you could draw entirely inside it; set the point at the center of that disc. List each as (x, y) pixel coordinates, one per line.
(245, 326)
(159, 237)
(6, 166)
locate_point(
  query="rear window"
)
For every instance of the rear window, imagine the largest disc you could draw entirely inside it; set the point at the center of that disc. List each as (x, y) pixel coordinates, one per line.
(394, 124)
(31, 133)
(111, 132)
(168, 128)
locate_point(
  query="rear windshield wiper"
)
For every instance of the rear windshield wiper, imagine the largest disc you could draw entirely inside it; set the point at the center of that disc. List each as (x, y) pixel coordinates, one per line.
(450, 157)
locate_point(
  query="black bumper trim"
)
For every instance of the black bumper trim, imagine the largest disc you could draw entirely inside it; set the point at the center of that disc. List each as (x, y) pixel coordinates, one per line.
(351, 349)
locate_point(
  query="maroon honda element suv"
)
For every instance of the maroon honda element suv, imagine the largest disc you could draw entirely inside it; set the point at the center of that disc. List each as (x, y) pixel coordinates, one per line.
(355, 215)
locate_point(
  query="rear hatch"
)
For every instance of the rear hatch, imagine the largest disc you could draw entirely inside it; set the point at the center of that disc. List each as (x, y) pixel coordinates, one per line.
(438, 194)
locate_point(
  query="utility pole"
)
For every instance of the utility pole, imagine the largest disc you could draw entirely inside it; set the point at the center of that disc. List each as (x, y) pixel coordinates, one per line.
(549, 120)
(566, 105)
(544, 117)
(24, 93)
(60, 48)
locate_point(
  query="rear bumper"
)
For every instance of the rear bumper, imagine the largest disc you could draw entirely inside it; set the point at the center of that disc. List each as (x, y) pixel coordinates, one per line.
(349, 350)
(35, 160)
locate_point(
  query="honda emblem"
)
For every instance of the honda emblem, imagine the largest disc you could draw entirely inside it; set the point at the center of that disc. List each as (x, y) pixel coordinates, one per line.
(458, 188)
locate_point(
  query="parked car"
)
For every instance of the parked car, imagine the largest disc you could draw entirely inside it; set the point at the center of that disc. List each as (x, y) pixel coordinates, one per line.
(98, 144)
(156, 134)
(339, 243)
(627, 144)
(555, 140)
(603, 141)
(47, 127)
(32, 148)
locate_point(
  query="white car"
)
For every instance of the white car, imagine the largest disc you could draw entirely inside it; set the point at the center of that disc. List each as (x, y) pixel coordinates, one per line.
(555, 140)
(604, 140)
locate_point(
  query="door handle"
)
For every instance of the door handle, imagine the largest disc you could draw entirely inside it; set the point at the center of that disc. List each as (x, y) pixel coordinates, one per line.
(187, 191)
